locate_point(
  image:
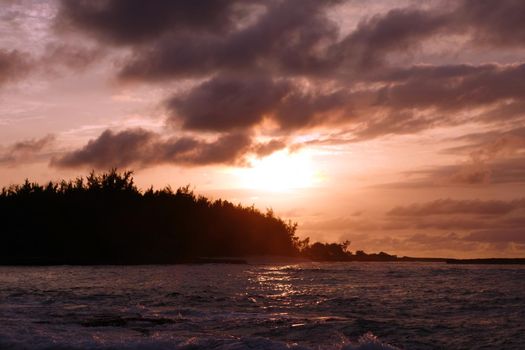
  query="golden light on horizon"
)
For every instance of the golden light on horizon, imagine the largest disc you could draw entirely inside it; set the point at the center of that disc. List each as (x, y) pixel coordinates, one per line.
(280, 172)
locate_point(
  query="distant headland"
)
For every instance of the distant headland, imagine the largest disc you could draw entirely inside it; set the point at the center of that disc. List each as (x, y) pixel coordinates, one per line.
(105, 219)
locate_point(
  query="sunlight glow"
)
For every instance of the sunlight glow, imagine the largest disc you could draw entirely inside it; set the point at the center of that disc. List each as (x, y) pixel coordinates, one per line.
(280, 172)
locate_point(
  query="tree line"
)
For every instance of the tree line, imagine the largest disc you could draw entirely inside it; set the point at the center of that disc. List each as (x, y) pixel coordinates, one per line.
(105, 219)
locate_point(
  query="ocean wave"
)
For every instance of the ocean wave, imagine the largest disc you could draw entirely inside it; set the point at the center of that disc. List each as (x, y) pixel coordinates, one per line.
(274, 307)
(367, 341)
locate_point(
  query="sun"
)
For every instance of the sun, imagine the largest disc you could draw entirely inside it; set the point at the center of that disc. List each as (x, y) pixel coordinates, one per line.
(280, 172)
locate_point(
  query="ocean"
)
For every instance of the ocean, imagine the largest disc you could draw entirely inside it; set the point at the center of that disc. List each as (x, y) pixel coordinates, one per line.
(263, 306)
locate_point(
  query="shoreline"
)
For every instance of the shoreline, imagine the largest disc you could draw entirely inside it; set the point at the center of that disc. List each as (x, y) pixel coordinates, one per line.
(257, 260)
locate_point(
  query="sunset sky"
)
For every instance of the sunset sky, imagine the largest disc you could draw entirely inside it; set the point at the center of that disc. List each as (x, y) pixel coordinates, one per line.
(398, 125)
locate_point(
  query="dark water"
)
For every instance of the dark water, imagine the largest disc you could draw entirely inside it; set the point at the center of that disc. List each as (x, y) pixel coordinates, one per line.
(307, 305)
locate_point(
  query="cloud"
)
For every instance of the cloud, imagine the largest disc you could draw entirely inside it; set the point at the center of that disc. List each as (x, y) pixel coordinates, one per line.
(494, 144)
(73, 56)
(290, 37)
(445, 240)
(481, 221)
(181, 39)
(288, 62)
(266, 148)
(16, 65)
(134, 21)
(473, 173)
(413, 99)
(487, 23)
(423, 98)
(287, 38)
(497, 236)
(398, 29)
(477, 86)
(493, 23)
(232, 102)
(352, 223)
(492, 157)
(110, 150)
(13, 65)
(225, 103)
(452, 206)
(501, 171)
(227, 149)
(139, 147)
(26, 151)
(143, 148)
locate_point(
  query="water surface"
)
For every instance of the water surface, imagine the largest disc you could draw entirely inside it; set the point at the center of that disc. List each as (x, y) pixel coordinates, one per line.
(306, 305)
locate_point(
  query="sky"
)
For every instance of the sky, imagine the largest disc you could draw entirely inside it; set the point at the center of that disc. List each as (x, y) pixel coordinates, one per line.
(397, 125)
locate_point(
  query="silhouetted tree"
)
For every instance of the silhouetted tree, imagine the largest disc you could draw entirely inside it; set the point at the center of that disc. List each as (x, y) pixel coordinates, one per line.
(106, 219)
(327, 251)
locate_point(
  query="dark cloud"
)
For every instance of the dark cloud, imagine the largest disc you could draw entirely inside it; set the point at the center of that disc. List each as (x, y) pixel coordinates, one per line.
(495, 157)
(492, 144)
(315, 107)
(498, 231)
(232, 102)
(128, 22)
(493, 23)
(443, 222)
(226, 149)
(473, 173)
(290, 37)
(13, 65)
(173, 39)
(477, 172)
(508, 171)
(439, 244)
(488, 23)
(31, 146)
(16, 65)
(422, 97)
(286, 62)
(499, 172)
(394, 123)
(254, 55)
(110, 150)
(481, 221)
(225, 103)
(399, 29)
(478, 86)
(497, 236)
(267, 148)
(426, 239)
(510, 111)
(452, 206)
(430, 72)
(139, 147)
(414, 100)
(142, 148)
(27, 150)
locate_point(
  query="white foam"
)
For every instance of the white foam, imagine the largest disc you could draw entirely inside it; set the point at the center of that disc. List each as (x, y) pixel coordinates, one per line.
(369, 341)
